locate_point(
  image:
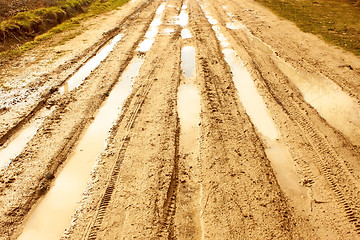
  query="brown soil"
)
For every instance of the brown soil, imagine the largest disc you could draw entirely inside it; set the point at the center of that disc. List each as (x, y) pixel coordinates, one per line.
(143, 185)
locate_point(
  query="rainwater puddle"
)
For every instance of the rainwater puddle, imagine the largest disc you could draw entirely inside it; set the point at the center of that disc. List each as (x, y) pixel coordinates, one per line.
(153, 30)
(188, 61)
(338, 108)
(234, 25)
(189, 114)
(250, 98)
(283, 166)
(168, 31)
(189, 110)
(77, 79)
(223, 41)
(20, 140)
(277, 153)
(183, 17)
(189, 104)
(186, 34)
(53, 214)
(211, 20)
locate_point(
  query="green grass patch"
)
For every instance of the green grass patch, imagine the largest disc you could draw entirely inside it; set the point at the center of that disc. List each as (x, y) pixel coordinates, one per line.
(336, 21)
(29, 20)
(97, 7)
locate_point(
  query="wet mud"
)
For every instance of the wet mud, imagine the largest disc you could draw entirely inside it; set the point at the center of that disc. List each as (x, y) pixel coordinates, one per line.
(194, 119)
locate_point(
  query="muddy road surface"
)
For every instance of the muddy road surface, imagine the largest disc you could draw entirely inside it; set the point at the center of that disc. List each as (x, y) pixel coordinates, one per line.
(194, 119)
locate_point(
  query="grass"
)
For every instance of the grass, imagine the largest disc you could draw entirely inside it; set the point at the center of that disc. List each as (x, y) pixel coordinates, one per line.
(336, 21)
(23, 19)
(26, 21)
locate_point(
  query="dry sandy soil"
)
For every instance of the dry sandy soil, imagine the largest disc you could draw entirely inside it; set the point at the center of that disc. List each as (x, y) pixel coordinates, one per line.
(222, 122)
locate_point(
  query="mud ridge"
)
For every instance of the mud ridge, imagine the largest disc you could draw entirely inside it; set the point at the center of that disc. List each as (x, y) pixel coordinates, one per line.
(94, 226)
(80, 61)
(331, 165)
(167, 231)
(334, 168)
(66, 147)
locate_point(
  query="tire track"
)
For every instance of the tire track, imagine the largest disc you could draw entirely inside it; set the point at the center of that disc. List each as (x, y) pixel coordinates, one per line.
(332, 166)
(94, 226)
(23, 204)
(169, 209)
(82, 60)
(226, 127)
(336, 172)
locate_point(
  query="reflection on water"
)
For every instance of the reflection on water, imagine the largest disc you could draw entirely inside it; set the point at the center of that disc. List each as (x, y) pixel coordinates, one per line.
(185, 33)
(53, 214)
(77, 79)
(153, 30)
(188, 61)
(277, 153)
(338, 108)
(18, 142)
(189, 115)
(250, 98)
(235, 25)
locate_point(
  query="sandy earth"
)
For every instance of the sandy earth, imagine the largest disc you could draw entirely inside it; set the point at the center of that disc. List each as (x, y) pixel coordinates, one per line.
(204, 168)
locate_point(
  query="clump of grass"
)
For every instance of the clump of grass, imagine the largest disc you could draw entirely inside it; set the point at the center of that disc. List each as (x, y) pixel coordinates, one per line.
(95, 8)
(35, 21)
(336, 21)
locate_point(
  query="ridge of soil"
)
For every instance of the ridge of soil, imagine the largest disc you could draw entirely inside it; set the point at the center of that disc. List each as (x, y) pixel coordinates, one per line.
(142, 185)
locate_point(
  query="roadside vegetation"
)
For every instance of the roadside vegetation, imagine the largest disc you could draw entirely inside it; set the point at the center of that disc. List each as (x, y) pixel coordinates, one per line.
(336, 21)
(26, 29)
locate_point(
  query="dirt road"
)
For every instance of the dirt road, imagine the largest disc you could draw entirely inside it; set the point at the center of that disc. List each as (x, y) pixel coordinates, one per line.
(198, 119)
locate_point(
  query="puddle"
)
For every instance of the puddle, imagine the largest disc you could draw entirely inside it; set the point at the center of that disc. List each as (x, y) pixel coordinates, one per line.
(230, 15)
(20, 140)
(189, 110)
(77, 79)
(334, 105)
(283, 166)
(338, 108)
(186, 34)
(189, 114)
(250, 98)
(189, 104)
(188, 61)
(53, 214)
(168, 31)
(277, 153)
(235, 25)
(183, 18)
(223, 41)
(153, 30)
(211, 20)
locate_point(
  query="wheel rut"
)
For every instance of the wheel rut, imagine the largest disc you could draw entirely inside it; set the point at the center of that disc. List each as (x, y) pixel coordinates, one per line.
(79, 62)
(59, 118)
(94, 226)
(206, 133)
(339, 176)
